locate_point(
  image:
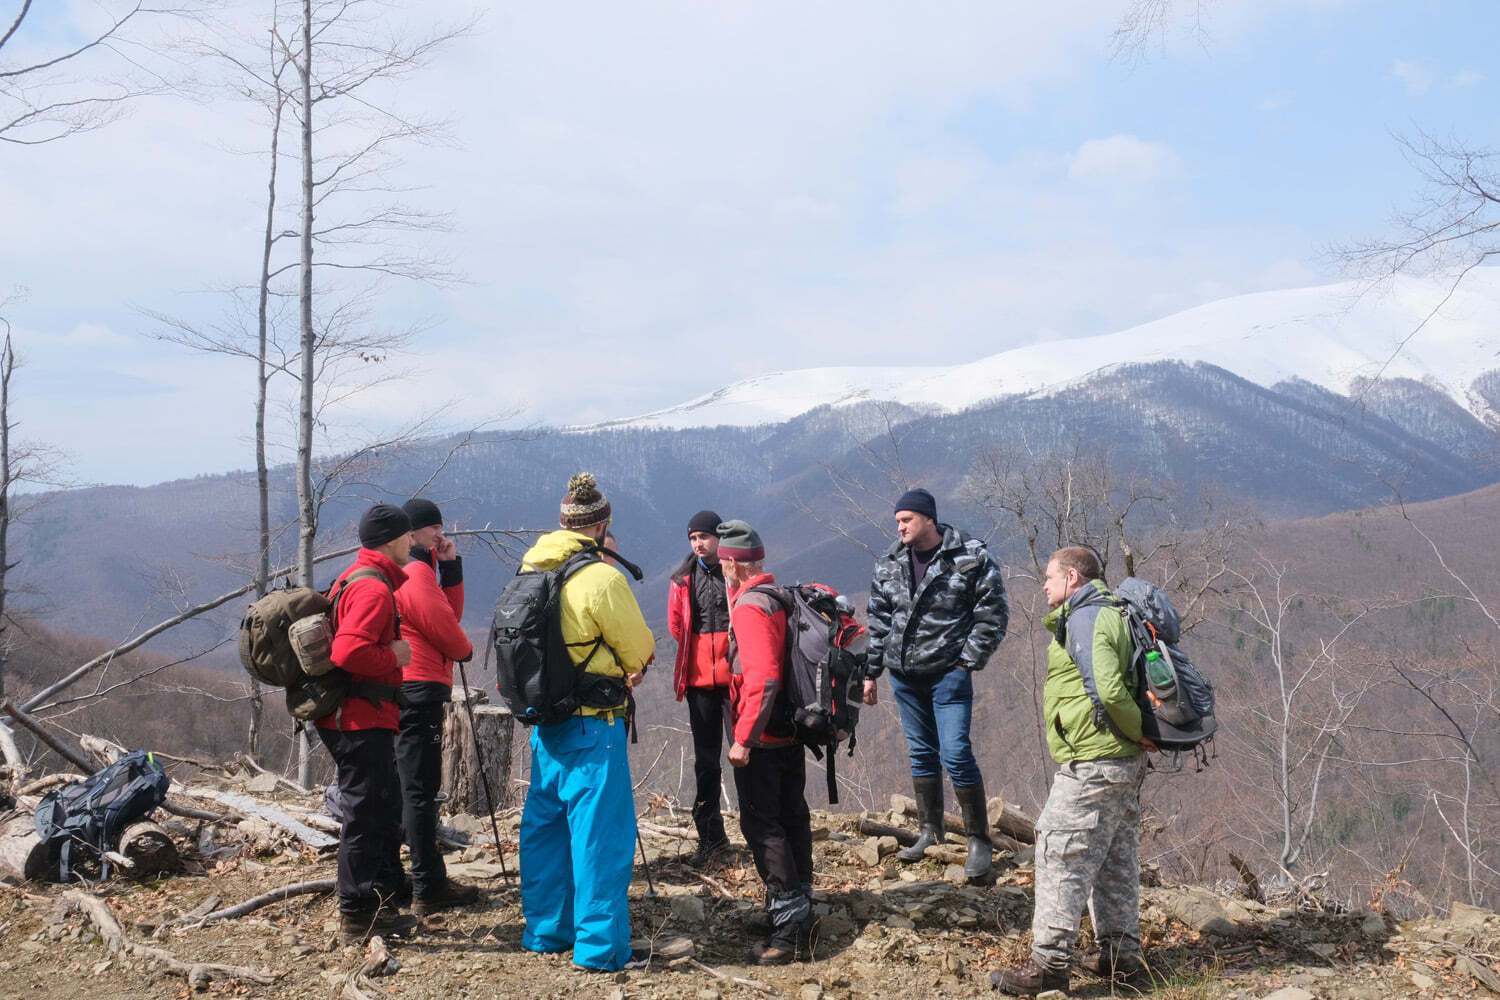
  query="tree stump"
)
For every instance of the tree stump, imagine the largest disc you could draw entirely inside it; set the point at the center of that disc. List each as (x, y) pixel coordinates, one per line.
(494, 728)
(150, 849)
(22, 855)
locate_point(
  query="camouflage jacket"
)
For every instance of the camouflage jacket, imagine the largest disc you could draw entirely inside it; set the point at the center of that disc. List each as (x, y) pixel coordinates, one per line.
(957, 616)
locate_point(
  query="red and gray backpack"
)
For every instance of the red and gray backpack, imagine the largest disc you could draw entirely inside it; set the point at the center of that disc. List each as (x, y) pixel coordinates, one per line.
(823, 671)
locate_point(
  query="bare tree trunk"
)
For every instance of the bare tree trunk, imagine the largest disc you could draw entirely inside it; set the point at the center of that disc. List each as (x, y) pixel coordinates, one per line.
(307, 513)
(262, 471)
(7, 366)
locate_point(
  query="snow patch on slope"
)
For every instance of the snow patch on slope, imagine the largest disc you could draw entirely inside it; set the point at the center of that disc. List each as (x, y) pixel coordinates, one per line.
(1329, 335)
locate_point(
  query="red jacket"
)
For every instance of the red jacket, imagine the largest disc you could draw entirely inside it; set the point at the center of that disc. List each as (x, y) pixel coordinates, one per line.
(702, 657)
(366, 627)
(759, 625)
(430, 618)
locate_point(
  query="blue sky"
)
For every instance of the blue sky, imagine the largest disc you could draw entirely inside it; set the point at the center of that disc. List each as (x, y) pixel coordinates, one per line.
(661, 197)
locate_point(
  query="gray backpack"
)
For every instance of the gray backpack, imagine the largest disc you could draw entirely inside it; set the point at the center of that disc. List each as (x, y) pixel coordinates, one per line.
(1176, 699)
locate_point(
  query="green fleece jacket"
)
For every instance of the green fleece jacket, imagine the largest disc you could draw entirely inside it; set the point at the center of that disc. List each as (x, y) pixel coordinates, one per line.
(1090, 648)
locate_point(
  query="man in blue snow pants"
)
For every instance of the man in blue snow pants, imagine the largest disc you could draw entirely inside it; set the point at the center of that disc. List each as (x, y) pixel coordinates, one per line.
(578, 828)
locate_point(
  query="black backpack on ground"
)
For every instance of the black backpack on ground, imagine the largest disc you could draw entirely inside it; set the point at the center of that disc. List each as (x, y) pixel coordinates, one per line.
(92, 813)
(537, 678)
(823, 672)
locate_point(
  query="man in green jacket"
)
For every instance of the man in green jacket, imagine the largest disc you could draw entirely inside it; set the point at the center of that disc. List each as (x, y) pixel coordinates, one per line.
(1088, 835)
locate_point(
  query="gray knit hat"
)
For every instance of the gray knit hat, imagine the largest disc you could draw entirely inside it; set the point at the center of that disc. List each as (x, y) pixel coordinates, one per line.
(738, 542)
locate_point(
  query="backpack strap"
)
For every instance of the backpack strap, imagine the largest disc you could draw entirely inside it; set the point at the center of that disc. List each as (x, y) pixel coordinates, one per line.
(364, 573)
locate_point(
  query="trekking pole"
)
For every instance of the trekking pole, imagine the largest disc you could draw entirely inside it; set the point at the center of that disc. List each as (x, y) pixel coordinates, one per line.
(484, 779)
(650, 886)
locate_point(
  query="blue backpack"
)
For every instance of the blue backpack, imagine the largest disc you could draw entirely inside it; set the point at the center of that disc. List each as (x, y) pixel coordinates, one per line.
(92, 813)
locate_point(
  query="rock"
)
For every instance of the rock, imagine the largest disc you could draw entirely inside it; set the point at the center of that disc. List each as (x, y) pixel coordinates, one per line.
(688, 910)
(1204, 912)
(1422, 982)
(615, 994)
(1466, 917)
(810, 991)
(837, 924)
(1373, 927)
(1290, 993)
(709, 993)
(262, 784)
(464, 823)
(896, 921)
(955, 874)
(953, 964)
(887, 845)
(1323, 949)
(1052, 995)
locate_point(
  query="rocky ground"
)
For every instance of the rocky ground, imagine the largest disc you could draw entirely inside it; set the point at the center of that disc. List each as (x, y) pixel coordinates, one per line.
(884, 931)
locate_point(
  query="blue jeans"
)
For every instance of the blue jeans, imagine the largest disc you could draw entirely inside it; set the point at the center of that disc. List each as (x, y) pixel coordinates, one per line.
(578, 843)
(935, 713)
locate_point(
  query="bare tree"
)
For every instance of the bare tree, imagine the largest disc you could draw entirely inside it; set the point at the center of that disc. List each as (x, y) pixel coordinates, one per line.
(46, 95)
(1145, 23)
(21, 464)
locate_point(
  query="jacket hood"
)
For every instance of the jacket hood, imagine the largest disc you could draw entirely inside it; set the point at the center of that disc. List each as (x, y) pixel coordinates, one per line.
(1093, 592)
(953, 539)
(758, 580)
(554, 548)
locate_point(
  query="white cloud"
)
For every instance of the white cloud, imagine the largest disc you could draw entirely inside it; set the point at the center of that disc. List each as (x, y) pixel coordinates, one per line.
(1274, 102)
(1124, 159)
(1467, 78)
(1415, 76)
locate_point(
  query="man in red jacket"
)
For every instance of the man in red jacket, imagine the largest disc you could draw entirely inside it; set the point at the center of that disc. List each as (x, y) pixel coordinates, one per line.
(431, 604)
(698, 618)
(361, 733)
(770, 770)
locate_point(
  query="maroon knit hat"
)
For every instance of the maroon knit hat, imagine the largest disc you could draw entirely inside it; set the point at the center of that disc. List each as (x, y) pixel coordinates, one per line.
(739, 542)
(583, 506)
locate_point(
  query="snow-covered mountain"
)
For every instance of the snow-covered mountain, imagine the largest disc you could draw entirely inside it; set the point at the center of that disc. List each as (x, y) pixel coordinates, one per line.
(1329, 335)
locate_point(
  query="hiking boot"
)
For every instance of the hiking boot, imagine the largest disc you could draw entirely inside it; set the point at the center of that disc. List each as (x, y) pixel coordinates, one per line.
(357, 928)
(1028, 980)
(1124, 970)
(451, 894)
(929, 796)
(977, 828)
(707, 852)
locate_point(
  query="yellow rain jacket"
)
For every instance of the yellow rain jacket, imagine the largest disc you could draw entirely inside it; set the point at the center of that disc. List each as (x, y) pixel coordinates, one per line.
(596, 601)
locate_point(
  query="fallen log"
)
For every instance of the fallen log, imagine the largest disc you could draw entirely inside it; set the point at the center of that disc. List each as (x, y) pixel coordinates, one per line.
(45, 782)
(1005, 818)
(22, 854)
(198, 974)
(40, 732)
(279, 818)
(265, 899)
(150, 850)
(905, 837)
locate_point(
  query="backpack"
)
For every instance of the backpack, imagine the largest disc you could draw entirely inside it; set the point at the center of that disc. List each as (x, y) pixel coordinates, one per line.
(286, 641)
(92, 813)
(1176, 699)
(537, 678)
(823, 671)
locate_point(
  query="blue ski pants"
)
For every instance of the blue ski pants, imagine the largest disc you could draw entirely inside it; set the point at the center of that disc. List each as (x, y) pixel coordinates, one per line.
(578, 843)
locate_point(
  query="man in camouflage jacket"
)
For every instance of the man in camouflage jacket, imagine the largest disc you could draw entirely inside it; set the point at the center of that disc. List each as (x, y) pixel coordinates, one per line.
(937, 612)
(1088, 834)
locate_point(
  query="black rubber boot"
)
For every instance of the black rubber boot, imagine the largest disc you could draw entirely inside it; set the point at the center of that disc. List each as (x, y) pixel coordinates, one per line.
(929, 795)
(977, 828)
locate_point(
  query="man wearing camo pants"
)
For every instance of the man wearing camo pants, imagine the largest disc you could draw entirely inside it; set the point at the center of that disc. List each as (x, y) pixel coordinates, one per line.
(1088, 834)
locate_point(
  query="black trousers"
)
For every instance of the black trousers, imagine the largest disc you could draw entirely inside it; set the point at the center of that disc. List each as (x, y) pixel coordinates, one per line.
(419, 764)
(370, 840)
(774, 817)
(707, 709)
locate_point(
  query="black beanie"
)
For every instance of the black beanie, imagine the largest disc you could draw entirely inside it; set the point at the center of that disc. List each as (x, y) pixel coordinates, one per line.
(918, 502)
(423, 513)
(705, 521)
(382, 523)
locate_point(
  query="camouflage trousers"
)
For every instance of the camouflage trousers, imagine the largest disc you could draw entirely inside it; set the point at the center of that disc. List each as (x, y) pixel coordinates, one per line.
(1087, 841)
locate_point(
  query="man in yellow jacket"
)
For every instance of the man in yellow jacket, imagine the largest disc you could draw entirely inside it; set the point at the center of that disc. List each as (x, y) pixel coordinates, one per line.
(578, 828)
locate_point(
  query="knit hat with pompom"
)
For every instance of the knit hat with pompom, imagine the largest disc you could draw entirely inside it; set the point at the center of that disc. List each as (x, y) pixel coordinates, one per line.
(584, 505)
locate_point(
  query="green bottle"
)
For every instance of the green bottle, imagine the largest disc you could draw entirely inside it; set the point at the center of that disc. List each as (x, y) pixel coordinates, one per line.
(1159, 672)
